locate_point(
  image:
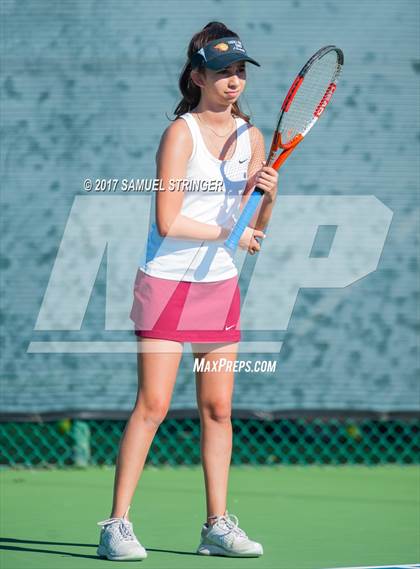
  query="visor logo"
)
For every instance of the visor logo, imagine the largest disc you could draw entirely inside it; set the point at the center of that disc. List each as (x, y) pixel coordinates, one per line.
(221, 47)
(237, 45)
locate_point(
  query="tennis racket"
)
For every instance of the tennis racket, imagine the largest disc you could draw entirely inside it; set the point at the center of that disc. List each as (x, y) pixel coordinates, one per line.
(305, 102)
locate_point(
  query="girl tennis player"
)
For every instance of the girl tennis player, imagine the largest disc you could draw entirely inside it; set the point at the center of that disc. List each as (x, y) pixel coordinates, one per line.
(186, 289)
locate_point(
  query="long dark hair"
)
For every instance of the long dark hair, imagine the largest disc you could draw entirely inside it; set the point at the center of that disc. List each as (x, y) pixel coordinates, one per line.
(191, 93)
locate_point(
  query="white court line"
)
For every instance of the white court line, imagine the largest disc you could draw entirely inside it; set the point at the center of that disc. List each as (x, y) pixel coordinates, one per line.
(132, 347)
(395, 566)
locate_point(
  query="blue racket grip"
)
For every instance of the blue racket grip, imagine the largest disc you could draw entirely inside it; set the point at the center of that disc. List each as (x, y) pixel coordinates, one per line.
(245, 217)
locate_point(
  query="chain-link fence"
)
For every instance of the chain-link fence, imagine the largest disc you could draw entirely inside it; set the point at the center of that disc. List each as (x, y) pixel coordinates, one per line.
(334, 441)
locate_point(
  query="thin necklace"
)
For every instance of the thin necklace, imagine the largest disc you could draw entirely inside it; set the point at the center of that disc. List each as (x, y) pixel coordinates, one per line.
(208, 126)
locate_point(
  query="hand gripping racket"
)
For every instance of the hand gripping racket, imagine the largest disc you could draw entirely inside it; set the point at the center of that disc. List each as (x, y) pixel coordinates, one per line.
(305, 102)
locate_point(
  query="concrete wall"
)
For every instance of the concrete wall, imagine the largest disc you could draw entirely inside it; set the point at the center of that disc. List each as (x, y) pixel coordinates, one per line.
(84, 92)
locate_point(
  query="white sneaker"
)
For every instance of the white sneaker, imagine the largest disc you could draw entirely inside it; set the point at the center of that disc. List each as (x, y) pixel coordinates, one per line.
(224, 537)
(118, 542)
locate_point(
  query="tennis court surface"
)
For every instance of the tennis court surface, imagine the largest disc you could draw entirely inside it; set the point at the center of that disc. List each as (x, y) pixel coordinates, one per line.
(306, 517)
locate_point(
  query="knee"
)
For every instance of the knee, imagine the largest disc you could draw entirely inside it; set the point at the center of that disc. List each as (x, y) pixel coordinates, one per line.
(152, 413)
(219, 411)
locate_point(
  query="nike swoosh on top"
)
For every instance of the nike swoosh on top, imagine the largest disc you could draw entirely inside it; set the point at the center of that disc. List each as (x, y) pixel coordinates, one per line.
(242, 161)
(229, 327)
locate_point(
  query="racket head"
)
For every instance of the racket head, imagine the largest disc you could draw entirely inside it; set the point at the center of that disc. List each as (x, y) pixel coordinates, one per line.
(306, 100)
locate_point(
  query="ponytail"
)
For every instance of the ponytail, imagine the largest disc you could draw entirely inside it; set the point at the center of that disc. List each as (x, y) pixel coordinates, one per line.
(191, 92)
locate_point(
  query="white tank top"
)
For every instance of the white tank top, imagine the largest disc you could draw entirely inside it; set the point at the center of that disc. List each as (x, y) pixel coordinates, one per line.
(203, 261)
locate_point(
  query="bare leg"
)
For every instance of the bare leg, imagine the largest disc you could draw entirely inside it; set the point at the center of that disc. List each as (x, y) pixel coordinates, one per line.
(214, 398)
(156, 379)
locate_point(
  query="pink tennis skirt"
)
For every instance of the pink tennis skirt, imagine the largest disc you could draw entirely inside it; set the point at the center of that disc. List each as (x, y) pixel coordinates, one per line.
(186, 311)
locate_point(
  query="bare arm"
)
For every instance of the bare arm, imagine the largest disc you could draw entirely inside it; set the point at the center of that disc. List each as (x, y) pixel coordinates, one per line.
(172, 158)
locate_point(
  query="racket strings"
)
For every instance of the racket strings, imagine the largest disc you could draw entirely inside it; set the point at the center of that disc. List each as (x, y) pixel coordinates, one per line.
(302, 111)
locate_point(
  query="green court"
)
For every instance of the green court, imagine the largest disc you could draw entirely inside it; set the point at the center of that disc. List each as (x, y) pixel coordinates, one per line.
(306, 517)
